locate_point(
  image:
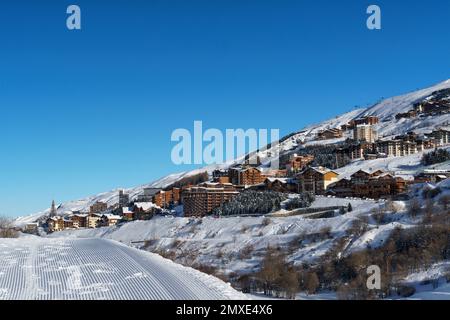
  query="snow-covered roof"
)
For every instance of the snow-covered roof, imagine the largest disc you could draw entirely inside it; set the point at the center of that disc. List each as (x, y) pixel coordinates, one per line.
(321, 170)
(112, 216)
(282, 180)
(145, 205)
(361, 170)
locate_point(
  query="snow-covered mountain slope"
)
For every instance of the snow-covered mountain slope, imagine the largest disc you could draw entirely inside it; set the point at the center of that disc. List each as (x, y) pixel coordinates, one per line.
(95, 269)
(386, 110)
(402, 103)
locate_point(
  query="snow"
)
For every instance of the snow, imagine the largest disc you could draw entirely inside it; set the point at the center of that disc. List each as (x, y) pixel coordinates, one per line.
(440, 293)
(97, 269)
(434, 272)
(375, 237)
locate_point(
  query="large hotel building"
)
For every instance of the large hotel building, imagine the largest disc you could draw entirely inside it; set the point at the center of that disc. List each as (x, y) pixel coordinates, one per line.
(201, 200)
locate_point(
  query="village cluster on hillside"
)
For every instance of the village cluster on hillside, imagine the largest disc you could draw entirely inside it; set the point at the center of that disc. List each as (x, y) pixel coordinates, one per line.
(298, 174)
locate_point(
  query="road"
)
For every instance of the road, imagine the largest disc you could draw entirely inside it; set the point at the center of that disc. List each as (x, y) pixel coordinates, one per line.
(36, 268)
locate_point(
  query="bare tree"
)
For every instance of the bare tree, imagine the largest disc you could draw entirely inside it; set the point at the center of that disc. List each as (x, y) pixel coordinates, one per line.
(414, 208)
(312, 282)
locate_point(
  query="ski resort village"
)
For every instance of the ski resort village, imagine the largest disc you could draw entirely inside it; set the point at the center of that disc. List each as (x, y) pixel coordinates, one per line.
(369, 187)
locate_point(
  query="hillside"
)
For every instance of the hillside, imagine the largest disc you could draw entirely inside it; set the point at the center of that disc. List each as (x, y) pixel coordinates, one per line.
(386, 110)
(234, 247)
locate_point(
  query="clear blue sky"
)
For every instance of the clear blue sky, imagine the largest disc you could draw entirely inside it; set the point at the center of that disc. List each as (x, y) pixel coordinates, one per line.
(87, 111)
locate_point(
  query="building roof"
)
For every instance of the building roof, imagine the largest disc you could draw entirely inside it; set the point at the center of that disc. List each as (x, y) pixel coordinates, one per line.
(145, 205)
(282, 180)
(112, 216)
(361, 170)
(435, 171)
(321, 170)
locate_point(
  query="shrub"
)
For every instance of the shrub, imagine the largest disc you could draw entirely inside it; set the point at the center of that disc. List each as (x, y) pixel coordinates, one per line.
(266, 221)
(312, 283)
(414, 208)
(349, 207)
(7, 229)
(325, 232)
(246, 252)
(406, 291)
(276, 276)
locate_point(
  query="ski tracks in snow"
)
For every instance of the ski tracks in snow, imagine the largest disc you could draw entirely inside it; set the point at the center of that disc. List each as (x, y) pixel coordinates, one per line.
(98, 269)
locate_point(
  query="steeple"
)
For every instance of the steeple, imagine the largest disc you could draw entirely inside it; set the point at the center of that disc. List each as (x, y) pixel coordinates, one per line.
(53, 209)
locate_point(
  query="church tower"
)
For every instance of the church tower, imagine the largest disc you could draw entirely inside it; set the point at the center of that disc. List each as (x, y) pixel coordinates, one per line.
(53, 211)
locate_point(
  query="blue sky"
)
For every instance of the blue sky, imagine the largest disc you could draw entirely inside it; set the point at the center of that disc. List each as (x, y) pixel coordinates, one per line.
(88, 111)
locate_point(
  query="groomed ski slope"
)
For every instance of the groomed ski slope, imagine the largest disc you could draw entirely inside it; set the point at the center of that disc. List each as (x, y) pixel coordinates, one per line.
(97, 269)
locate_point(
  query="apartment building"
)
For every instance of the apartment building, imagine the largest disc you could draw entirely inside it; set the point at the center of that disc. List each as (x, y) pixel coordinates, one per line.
(363, 184)
(124, 198)
(245, 175)
(167, 198)
(93, 220)
(365, 132)
(147, 195)
(280, 184)
(108, 220)
(332, 133)
(55, 223)
(442, 136)
(316, 179)
(353, 152)
(32, 227)
(98, 207)
(202, 199)
(297, 163)
(396, 147)
(68, 223)
(80, 220)
(432, 175)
